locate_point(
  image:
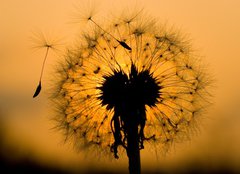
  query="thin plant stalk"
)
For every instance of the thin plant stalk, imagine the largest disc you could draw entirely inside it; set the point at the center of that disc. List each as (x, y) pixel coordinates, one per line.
(133, 151)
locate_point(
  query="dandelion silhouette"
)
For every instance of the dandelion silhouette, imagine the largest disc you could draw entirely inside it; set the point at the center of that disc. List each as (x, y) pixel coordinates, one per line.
(127, 85)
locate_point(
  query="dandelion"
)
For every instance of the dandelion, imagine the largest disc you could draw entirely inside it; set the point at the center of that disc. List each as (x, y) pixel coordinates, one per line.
(129, 84)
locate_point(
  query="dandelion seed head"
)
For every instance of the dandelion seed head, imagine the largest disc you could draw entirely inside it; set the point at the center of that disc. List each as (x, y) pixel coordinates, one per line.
(102, 87)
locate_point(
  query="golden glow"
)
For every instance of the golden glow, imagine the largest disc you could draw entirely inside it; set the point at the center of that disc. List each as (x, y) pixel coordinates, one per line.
(166, 55)
(212, 25)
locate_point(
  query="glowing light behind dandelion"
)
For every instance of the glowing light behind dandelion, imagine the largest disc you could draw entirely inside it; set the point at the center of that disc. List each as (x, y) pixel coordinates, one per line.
(158, 75)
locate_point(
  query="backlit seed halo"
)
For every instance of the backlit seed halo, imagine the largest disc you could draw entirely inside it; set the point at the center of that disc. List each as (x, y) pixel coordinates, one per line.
(134, 64)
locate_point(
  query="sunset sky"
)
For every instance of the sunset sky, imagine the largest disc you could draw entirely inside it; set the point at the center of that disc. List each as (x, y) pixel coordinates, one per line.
(213, 28)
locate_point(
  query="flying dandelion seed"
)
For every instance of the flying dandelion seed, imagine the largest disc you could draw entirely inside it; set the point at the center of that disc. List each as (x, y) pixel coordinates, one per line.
(41, 41)
(127, 85)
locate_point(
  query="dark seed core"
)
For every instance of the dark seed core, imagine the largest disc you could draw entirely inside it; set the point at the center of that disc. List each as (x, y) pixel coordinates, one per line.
(127, 96)
(138, 89)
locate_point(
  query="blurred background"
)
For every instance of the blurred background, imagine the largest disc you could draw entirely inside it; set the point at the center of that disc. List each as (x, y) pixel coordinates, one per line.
(27, 142)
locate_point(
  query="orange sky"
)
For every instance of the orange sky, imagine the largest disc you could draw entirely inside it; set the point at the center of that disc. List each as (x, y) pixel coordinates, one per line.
(213, 27)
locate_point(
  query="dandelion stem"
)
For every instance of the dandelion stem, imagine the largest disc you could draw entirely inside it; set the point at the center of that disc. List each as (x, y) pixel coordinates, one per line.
(133, 151)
